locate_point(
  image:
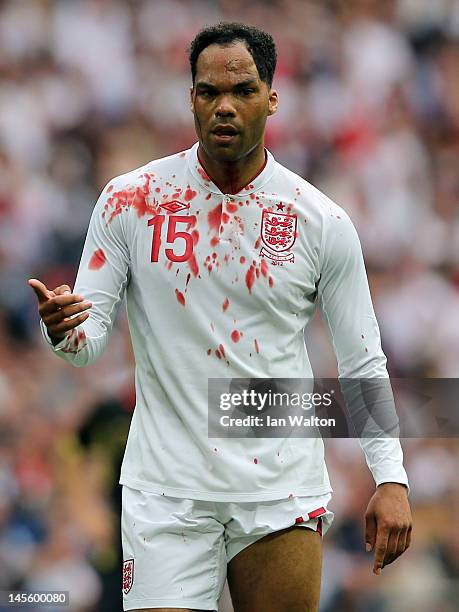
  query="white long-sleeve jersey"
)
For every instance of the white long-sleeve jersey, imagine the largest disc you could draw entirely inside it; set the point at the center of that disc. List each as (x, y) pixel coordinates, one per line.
(222, 286)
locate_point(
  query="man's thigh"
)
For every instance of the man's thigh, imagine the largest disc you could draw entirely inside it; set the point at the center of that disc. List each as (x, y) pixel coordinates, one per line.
(281, 571)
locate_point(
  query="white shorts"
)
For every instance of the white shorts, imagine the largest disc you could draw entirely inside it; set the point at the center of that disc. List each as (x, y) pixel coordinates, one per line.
(176, 550)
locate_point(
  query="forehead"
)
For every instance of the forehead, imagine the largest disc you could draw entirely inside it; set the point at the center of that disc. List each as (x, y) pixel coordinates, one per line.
(218, 64)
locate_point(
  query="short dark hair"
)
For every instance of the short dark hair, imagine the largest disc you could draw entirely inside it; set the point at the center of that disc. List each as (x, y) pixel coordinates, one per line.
(260, 45)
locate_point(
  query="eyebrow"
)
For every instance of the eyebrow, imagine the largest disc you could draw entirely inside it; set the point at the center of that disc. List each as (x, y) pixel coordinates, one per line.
(205, 85)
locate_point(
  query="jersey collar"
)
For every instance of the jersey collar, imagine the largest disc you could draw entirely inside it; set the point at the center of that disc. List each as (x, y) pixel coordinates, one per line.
(206, 183)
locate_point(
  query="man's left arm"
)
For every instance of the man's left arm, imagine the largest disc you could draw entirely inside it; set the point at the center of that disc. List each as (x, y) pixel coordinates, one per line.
(346, 306)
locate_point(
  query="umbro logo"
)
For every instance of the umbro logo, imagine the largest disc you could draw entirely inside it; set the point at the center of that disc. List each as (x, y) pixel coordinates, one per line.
(174, 206)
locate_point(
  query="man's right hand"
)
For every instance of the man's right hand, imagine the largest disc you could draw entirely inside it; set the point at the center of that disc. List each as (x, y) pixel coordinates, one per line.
(56, 307)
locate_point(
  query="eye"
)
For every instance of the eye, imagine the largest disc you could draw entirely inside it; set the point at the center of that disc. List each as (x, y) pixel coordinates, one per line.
(206, 94)
(247, 91)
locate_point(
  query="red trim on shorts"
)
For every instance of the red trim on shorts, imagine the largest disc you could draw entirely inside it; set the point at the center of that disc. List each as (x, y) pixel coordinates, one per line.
(316, 513)
(319, 525)
(299, 519)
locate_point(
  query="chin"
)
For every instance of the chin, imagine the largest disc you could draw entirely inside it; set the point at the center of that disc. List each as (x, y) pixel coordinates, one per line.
(224, 153)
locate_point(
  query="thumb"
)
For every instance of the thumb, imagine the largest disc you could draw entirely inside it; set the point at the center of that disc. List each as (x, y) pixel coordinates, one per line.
(41, 291)
(370, 531)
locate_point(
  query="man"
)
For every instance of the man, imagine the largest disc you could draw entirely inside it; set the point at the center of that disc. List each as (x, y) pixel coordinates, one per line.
(217, 288)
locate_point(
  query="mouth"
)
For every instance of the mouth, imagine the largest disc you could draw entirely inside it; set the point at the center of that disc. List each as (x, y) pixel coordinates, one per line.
(224, 133)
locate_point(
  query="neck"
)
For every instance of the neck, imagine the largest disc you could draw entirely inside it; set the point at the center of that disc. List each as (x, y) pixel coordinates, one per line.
(231, 177)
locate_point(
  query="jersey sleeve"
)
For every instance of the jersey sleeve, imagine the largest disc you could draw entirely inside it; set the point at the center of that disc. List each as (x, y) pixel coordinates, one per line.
(346, 307)
(103, 275)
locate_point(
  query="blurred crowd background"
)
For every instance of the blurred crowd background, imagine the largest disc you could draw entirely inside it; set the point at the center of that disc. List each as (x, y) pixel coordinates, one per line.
(369, 113)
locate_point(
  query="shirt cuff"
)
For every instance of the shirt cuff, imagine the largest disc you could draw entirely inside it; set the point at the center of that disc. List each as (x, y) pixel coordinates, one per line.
(60, 345)
(394, 475)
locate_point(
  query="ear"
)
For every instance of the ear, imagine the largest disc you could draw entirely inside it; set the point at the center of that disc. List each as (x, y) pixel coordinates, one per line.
(192, 96)
(273, 102)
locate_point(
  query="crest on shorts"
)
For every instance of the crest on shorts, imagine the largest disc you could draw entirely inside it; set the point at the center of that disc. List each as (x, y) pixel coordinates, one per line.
(278, 233)
(128, 575)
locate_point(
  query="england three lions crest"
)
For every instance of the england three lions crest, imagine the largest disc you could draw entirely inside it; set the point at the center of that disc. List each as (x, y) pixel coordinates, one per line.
(278, 233)
(128, 575)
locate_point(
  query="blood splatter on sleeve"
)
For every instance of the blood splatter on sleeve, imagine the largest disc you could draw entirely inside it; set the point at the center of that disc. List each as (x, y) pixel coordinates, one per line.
(102, 278)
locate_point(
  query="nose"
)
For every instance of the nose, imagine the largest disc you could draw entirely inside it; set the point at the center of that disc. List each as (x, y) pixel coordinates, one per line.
(225, 108)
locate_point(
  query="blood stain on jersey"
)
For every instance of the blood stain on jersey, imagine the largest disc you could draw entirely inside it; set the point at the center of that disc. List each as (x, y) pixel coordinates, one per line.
(190, 194)
(264, 267)
(180, 297)
(193, 264)
(255, 460)
(250, 278)
(214, 217)
(97, 260)
(231, 207)
(217, 352)
(214, 241)
(235, 335)
(75, 342)
(221, 349)
(203, 174)
(132, 197)
(209, 351)
(225, 304)
(257, 347)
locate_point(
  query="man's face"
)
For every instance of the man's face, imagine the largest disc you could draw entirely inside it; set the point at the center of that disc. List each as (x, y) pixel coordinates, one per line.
(230, 103)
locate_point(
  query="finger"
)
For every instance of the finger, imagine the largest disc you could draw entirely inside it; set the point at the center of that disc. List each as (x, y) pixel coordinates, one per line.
(392, 546)
(67, 324)
(382, 538)
(62, 289)
(64, 313)
(41, 291)
(402, 541)
(58, 301)
(408, 537)
(66, 299)
(370, 531)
